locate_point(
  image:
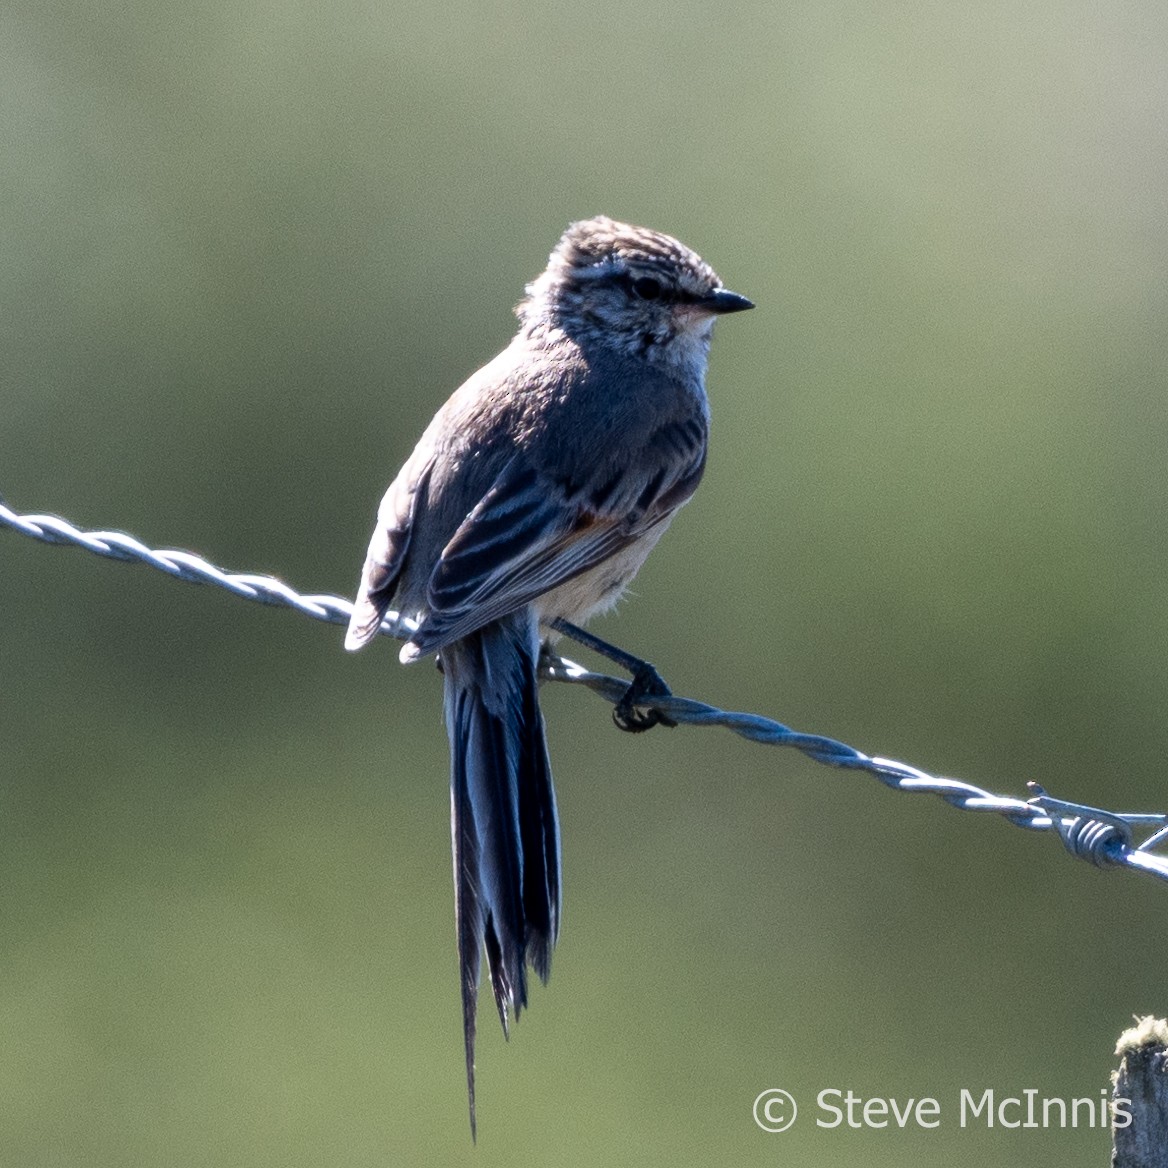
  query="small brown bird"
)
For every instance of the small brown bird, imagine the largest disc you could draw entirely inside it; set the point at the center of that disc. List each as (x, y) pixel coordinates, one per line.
(534, 496)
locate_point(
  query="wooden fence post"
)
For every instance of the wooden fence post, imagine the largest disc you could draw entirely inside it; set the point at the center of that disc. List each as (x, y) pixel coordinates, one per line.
(1142, 1083)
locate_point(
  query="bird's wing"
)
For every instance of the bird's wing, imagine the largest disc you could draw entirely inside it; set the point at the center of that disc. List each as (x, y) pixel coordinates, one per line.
(530, 533)
(387, 550)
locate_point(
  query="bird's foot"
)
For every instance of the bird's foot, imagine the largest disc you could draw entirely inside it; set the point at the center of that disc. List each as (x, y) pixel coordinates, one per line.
(647, 682)
(628, 713)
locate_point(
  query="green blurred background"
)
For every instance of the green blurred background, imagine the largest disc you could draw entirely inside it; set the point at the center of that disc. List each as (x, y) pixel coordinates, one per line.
(248, 249)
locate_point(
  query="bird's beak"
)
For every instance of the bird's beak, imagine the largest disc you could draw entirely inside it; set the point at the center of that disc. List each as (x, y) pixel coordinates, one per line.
(722, 301)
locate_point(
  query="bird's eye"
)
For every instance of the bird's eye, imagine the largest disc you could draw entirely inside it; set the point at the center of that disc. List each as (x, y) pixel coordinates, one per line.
(646, 288)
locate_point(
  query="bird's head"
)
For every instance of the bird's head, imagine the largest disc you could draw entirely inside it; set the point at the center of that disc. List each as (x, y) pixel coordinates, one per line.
(631, 288)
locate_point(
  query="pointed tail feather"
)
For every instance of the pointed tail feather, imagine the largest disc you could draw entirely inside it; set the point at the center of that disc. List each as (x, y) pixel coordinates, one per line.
(503, 821)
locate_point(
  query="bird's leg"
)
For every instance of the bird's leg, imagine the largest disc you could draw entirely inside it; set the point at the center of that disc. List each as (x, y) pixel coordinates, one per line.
(646, 683)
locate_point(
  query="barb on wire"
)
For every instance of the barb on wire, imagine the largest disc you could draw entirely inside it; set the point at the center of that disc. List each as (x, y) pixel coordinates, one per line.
(1105, 838)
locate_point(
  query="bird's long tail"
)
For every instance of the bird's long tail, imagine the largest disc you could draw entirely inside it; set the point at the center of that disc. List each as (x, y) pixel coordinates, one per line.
(502, 818)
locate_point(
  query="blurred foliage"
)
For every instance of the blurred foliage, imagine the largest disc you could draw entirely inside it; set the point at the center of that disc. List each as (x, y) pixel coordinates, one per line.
(247, 250)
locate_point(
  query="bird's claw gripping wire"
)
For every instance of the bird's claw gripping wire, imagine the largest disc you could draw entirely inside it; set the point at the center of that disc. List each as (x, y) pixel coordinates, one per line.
(629, 713)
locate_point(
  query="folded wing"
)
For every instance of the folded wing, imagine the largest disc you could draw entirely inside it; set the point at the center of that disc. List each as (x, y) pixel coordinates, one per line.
(529, 534)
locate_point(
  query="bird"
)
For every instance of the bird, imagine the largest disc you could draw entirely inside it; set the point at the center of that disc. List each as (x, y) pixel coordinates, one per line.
(529, 503)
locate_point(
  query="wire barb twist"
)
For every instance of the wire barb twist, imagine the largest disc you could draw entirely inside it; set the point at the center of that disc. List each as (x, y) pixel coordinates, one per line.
(1104, 838)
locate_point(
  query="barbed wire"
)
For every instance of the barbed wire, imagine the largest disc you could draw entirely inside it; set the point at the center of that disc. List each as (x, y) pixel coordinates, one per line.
(1105, 838)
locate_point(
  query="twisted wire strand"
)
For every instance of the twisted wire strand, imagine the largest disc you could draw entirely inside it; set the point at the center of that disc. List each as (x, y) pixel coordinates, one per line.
(1104, 838)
